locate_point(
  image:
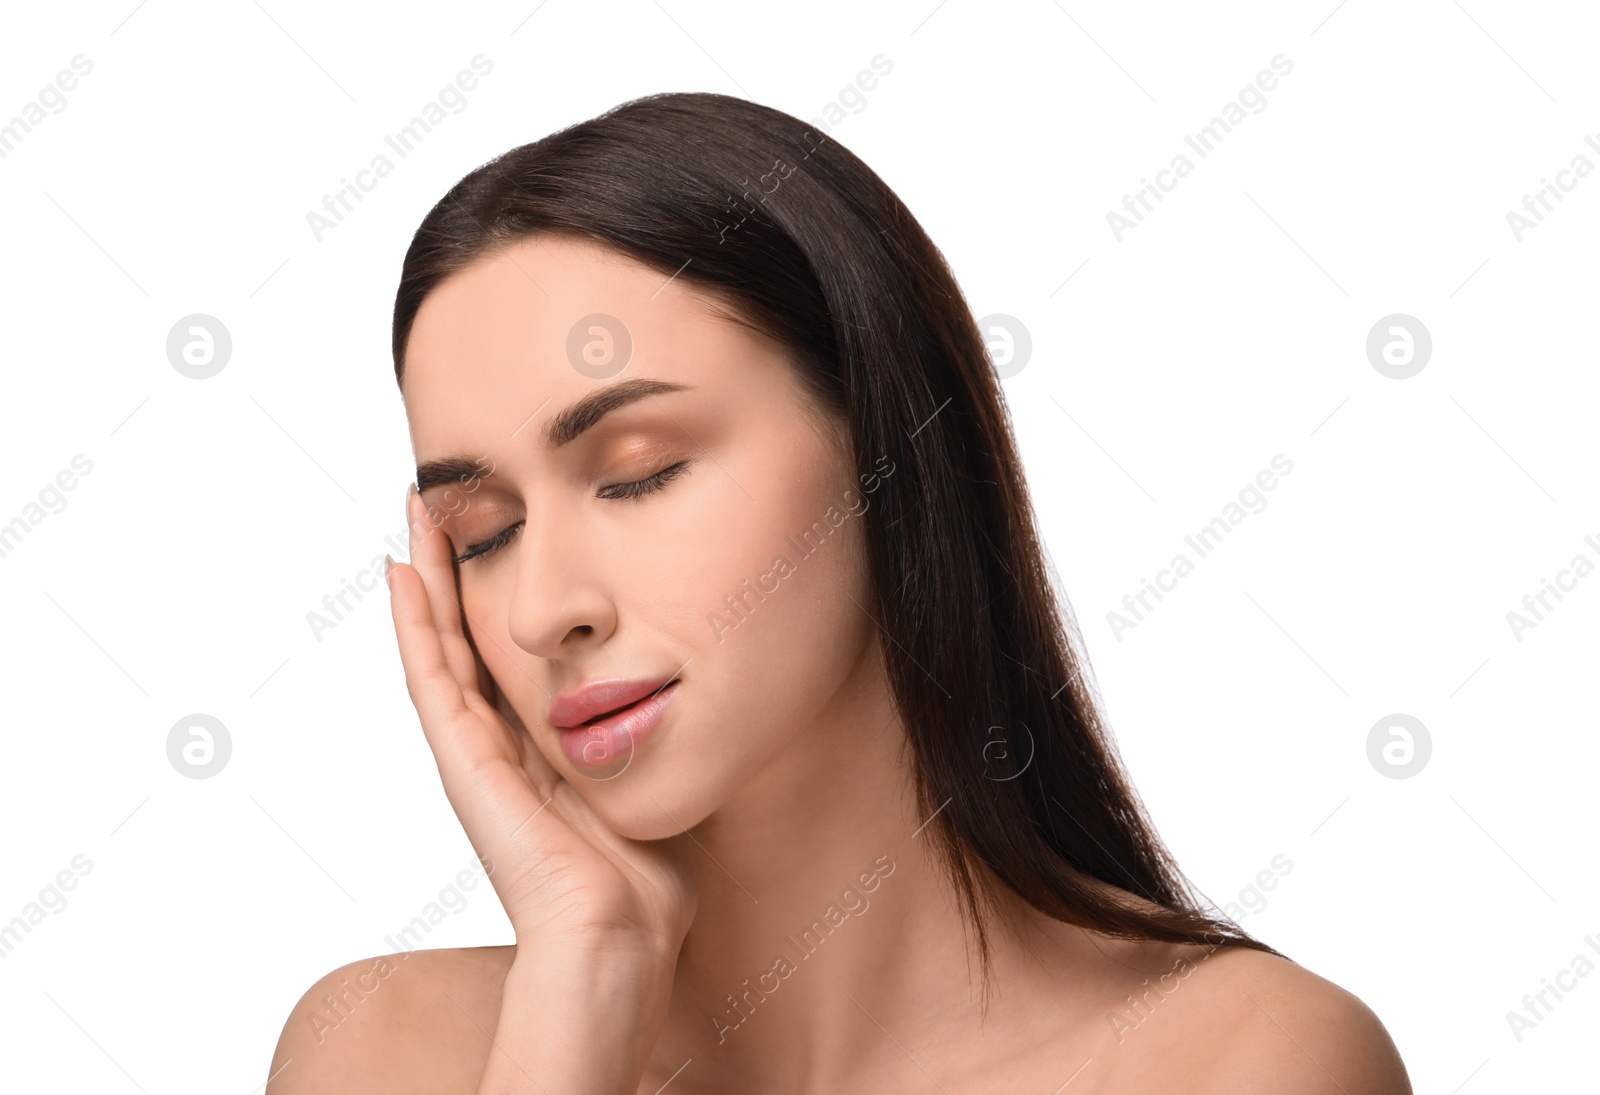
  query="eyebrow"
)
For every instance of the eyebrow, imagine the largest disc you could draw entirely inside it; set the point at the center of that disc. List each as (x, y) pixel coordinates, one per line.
(563, 429)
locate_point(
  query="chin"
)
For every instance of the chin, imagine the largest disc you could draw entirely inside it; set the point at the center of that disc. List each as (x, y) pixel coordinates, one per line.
(639, 811)
(642, 796)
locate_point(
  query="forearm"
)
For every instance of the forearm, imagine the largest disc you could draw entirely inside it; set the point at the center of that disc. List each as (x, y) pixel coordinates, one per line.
(576, 1027)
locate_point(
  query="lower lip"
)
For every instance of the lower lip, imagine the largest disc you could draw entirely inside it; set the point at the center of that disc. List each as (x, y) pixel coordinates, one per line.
(597, 743)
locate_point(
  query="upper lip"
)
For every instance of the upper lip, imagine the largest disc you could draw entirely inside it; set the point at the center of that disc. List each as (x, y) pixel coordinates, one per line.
(579, 705)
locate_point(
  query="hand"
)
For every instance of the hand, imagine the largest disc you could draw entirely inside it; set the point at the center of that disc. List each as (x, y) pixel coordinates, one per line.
(567, 881)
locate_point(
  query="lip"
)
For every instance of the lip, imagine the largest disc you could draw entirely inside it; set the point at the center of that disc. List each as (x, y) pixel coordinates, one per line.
(601, 741)
(576, 706)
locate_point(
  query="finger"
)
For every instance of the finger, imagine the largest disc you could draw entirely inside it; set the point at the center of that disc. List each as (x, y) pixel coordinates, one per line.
(431, 555)
(517, 729)
(465, 734)
(521, 815)
(574, 808)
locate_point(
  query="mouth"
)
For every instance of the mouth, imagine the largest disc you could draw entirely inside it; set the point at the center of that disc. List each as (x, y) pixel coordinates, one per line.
(616, 733)
(603, 716)
(598, 700)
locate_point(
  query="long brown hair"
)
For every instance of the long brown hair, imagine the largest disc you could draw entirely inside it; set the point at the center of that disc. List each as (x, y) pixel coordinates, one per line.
(1011, 759)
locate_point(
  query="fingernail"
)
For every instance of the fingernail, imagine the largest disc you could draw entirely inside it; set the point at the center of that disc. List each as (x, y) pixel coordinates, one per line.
(388, 565)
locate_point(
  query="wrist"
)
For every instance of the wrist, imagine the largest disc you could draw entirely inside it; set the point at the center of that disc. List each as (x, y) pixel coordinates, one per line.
(616, 952)
(636, 974)
(583, 1020)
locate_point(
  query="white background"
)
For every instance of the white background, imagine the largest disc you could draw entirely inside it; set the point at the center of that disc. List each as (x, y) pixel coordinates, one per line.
(1167, 369)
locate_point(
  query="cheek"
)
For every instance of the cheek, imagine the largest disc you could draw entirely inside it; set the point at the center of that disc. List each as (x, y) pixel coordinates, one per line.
(767, 579)
(484, 605)
(701, 558)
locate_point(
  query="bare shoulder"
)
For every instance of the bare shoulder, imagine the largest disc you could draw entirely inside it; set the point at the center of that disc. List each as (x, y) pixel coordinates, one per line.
(414, 1022)
(1227, 1020)
(1275, 1026)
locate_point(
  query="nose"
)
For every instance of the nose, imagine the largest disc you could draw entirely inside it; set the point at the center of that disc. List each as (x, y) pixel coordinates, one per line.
(558, 600)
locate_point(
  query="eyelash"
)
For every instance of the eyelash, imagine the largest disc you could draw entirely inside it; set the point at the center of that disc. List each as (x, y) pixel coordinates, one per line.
(623, 492)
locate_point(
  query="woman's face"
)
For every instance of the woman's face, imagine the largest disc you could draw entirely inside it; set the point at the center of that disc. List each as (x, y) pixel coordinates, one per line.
(589, 583)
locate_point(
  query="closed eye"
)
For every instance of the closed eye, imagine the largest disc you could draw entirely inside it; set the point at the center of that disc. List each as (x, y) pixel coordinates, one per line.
(612, 492)
(641, 487)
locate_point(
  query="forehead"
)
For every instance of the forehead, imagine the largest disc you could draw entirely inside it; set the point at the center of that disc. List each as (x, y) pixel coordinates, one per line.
(545, 320)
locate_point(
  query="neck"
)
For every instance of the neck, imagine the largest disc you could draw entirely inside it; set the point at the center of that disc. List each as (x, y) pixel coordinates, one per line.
(826, 932)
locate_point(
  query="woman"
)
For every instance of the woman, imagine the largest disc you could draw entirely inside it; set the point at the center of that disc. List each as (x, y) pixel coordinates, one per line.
(729, 628)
